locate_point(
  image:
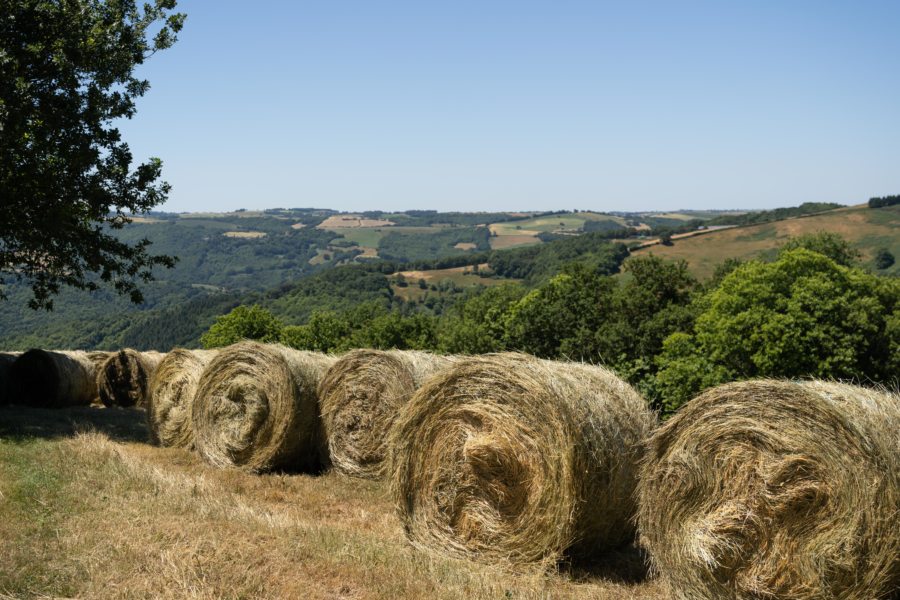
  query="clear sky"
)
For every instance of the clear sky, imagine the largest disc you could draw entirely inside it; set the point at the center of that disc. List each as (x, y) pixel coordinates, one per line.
(502, 105)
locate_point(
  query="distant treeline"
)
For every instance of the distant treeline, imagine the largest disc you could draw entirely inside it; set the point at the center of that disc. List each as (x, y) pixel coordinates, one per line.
(750, 218)
(884, 201)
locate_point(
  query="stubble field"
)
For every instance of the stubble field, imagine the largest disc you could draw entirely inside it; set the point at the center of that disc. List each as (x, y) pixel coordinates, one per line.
(89, 509)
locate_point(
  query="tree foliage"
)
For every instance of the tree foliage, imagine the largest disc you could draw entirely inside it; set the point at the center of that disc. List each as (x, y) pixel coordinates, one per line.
(66, 74)
(826, 243)
(243, 323)
(884, 259)
(804, 315)
(884, 201)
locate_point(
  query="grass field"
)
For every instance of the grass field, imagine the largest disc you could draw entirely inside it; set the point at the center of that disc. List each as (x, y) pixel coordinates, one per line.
(461, 276)
(370, 237)
(867, 229)
(245, 234)
(363, 236)
(523, 233)
(88, 509)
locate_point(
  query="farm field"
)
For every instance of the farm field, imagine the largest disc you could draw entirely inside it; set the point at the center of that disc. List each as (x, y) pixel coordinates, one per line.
(368, 237)
(90, 509)
(865, 228)
(364, 237)
(525, 232)
(460, 276)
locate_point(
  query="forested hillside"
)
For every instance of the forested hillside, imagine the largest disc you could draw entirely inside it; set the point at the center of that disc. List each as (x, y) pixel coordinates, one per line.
(296, 262)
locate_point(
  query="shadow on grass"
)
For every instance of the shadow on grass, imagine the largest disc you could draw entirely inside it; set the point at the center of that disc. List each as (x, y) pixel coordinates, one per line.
(120, 424)
(626, 565)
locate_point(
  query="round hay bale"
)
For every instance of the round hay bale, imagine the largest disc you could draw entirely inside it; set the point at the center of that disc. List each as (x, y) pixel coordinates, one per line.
(776, 489)
(510, 459)
(6, 361)
(53, 379)
(124, 377)
(171, 395)
(361, 395)
(256, 408)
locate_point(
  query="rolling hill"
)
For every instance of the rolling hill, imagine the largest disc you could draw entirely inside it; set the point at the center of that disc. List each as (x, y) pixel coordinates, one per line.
(868, 229)
(296, 261)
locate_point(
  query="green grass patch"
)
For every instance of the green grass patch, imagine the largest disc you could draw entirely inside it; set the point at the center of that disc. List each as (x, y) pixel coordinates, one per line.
(366, 237)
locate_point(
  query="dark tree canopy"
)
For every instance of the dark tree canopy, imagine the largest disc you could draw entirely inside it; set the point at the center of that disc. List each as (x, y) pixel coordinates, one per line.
(66, 176)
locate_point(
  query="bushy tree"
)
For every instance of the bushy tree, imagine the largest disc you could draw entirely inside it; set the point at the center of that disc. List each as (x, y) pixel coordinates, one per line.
(243, 323)
(829, 244)
(66, 176)
(560, 318)
(395, 331)
(884, 259)
(651, 304)
(478, 325)
(326, 331)
(803, 315)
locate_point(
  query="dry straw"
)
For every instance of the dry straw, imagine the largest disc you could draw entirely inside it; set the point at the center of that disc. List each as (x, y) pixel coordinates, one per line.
(776, 489)
(510, 459)
(6, 361)
(124, 377)
(171, 395)
(256, 408)
(53, 379)
(361, 396)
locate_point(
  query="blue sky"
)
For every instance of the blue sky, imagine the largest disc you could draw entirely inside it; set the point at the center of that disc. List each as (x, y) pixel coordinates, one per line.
(497, 105)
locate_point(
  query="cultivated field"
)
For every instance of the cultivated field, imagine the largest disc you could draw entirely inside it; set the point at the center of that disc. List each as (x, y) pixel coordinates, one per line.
(460, 276)
(89, 509)
(251, 235)
(352, 221)
(865, 228)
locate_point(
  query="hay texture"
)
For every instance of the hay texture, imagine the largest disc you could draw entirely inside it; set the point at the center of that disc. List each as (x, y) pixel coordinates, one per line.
(361, 396)
(257, 408)
(171, 396)
(6, 361)
(510, 459)
(124, 377)
(776, 489)
(98, 357)
(46, 378)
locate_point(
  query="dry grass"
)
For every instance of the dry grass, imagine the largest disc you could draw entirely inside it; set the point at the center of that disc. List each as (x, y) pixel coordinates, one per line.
(512, 240)
(92, 517)
(249, 235)
(775, 489)
(347, 221)
(510, 459)
(867, 229)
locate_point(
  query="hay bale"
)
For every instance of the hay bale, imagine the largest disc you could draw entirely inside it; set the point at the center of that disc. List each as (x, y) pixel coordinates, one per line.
(170, 396)
(361, 395)
(124, 377)
(510, 459)
(256, 408)
(6, 361)
(98, 357)
(53, 379)
(776, 489)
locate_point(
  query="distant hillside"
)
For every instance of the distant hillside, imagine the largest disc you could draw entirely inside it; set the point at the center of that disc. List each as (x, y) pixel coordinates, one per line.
(296, 261)
(868, 229)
